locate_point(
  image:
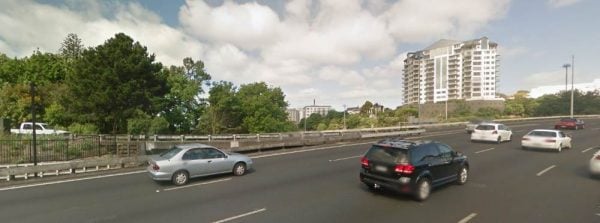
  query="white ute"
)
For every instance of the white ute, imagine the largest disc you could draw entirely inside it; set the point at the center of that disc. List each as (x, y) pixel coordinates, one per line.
(40, 129)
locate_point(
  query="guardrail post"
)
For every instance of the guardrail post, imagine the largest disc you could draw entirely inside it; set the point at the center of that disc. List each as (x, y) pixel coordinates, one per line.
(234, 137)
(258, 137)
(155, 138)
(209, 138)
(280, 137)
(182, 137)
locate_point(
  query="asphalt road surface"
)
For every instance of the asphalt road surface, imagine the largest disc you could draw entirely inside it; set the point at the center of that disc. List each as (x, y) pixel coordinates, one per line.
(506, 184)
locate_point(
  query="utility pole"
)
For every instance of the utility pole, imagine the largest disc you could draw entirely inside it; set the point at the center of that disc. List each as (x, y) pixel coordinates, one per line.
(33, 125)
(344, 116)
(566, 66)
(572, 81)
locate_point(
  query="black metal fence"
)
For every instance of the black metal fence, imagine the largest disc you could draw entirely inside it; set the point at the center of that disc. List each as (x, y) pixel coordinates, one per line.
(15, 150)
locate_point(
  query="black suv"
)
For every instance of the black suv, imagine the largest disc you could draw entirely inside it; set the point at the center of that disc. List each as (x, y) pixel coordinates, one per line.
(412, 167)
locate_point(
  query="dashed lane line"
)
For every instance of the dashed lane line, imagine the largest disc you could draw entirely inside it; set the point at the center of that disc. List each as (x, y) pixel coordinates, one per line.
(485, 150)
(468, 218)
(194, 185)
(240, 216)
(545, 170)
(588, 149)
(346, 158)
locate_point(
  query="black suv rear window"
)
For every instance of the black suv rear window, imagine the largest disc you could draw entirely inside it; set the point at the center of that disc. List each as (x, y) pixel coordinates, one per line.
(387, 154)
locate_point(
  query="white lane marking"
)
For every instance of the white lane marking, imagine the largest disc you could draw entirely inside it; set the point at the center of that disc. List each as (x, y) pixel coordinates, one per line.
(347, 158)
(545, 170)
(468, 218)
(240, 216)
(194, 185)
(485, 150)
(308, 150)
(71, 180)
(588, 149)
(598, 214)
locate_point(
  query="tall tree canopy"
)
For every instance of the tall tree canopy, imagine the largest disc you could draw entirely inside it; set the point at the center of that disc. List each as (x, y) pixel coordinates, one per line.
(113, 81)
(183, 103)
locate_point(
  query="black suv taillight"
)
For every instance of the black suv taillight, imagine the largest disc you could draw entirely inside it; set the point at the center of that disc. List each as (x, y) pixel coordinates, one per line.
(364, 162)
(404, 168)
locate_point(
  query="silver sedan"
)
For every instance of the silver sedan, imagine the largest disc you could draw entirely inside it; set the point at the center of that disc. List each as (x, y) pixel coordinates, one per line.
(183, 162)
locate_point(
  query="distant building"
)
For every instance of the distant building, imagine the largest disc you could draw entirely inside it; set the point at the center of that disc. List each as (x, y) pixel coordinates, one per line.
(293, 115)
(323, 110)
(353, 110)
(553, 89)
(450, 69)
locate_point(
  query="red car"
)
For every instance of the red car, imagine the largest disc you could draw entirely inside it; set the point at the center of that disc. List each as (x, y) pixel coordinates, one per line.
(569, 123)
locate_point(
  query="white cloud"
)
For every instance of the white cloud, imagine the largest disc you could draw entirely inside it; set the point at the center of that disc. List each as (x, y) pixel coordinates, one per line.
(510, 52)
(561, 3)
(427, 20)
(247, 25)
(338, 51)
(342, 76)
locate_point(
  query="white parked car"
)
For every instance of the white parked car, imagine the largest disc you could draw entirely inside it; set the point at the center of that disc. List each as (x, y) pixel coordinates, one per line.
(595, 164)
(546, 139)
(494, 132)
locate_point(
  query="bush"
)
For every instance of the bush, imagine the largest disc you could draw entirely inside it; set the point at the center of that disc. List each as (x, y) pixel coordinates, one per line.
(83, 128)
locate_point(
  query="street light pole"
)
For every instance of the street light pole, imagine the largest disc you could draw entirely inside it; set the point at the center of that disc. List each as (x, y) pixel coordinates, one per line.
(572, 81)
(33, 124)
(566, 66)
(344, 116)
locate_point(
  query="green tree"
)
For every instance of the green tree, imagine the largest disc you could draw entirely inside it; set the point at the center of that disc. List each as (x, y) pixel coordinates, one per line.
(183, 105)
(224, 112)
(263, 109)
(365, 109)
(114, 80)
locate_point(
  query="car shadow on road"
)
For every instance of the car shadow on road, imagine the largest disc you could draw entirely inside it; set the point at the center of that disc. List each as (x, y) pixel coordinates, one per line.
(203, 179)
(583, 171)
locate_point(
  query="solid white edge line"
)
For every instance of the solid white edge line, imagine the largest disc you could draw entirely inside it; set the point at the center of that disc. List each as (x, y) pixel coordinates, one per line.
(545, 170)
(198, 184)
(588, 149)
(240, 216)
(307, 150)
(468, 218)
(347, 158)
(485, 150)
(71, 180)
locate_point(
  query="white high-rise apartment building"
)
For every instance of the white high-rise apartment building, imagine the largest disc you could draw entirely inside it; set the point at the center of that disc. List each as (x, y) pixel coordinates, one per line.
(451, 69)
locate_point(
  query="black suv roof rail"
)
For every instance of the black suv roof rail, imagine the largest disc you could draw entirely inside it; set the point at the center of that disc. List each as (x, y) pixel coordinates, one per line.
(400, 143)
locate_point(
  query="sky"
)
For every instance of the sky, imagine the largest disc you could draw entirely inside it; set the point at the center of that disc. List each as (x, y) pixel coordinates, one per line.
(335, 52)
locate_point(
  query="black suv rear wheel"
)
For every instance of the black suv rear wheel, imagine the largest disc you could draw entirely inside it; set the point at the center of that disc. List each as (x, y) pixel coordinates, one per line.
(423, 189)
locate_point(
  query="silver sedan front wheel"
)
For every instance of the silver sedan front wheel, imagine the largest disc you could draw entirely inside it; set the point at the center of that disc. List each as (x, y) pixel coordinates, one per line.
(239, 169)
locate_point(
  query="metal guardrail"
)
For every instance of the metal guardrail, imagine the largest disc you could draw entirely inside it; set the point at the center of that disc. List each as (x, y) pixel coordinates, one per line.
(282, 140)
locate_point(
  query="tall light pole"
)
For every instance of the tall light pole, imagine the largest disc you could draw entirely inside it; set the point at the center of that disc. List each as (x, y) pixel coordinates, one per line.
(566, 66)
(305, 119)
(344, 116)
(572, 81)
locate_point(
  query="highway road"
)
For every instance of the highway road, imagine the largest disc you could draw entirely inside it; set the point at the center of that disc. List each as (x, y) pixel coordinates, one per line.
(506, 184)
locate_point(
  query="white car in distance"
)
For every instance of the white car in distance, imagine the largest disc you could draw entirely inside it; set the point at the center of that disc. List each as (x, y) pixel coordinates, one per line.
(493, 132)
(546, 139)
